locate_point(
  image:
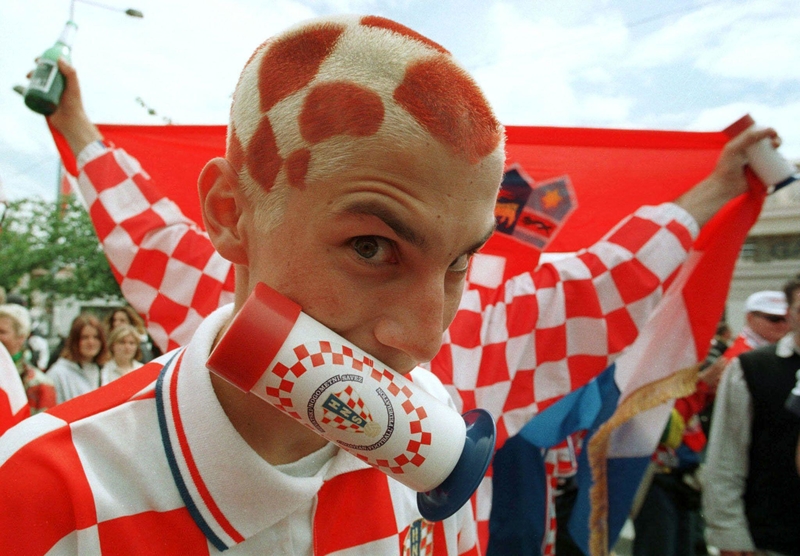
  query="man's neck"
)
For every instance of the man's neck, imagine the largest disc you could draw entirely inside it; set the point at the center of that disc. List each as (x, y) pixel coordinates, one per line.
(272, 434)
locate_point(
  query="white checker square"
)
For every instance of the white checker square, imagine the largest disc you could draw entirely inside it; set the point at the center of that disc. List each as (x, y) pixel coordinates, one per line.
(586, 336)
(493, 327)
(552, 309)
(124, 201)
(218, 268)
(521, 353)
(139, 294)
(487, 270)
(27, 431)
(515, 419)
(120, 249)
(180, 282)
(551, 381)
(164, 239)
(466, 362)
(492, 398)
(113, 444)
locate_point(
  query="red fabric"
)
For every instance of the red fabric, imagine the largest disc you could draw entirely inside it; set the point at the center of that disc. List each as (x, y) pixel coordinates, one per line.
(620, 170)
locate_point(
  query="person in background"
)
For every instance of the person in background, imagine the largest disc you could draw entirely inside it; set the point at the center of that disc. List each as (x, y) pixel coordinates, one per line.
(15, 327)
(127, 315)
(77, 370)
(765, 322)
(13, 401)
(124, 348)
(751, 492)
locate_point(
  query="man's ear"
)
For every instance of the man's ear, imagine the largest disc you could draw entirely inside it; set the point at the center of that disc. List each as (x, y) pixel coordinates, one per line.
(221, 204)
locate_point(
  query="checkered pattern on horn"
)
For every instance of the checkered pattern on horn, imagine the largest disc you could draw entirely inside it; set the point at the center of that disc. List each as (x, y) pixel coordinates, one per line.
(310, 96)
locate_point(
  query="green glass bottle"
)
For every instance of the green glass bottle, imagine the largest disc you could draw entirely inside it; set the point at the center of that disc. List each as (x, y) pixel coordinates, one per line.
(47, 84)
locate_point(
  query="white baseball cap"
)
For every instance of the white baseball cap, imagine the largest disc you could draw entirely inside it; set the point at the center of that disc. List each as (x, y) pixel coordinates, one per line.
(769, 302)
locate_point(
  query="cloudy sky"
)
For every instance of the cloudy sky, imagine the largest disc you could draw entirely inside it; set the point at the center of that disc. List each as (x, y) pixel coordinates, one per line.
(684, 64)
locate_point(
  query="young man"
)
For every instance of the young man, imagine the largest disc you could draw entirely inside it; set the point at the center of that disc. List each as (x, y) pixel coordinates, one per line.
(751, 496)
(381, 161)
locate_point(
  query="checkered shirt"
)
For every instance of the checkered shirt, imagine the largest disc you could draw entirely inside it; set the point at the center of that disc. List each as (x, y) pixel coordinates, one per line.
(519, 345)
(150, 464)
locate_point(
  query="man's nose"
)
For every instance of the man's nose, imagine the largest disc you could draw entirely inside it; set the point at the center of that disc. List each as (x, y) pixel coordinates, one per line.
(413, 320)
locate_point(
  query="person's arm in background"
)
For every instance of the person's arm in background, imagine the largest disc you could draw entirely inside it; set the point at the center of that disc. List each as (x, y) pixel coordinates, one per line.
(167, 268)
(727, 463)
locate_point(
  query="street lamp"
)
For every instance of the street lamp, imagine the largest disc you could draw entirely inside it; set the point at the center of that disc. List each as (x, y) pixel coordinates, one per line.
(129, 11)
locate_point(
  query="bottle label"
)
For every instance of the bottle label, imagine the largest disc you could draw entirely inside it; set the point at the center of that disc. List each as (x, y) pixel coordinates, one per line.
(43, 75)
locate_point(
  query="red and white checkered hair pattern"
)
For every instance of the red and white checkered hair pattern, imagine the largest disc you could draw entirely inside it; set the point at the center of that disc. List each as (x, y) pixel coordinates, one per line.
(311, 99)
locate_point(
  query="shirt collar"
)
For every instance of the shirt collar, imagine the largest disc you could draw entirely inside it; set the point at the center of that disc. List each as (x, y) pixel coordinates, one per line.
(230, 491)
(787, 346)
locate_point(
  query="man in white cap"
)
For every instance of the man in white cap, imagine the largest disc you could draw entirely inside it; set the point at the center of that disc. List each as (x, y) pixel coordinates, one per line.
(765, 320)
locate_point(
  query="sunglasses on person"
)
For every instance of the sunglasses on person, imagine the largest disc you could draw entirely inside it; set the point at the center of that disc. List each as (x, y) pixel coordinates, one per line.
(772, 318)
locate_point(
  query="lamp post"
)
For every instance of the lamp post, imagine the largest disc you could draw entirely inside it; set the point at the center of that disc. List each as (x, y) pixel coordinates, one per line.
(129, 11)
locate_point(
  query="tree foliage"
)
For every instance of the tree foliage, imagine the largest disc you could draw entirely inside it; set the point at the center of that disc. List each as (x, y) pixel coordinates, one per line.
(51, 246)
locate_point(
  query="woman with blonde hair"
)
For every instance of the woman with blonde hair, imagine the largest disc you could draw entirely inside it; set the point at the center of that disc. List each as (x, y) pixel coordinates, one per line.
(77, 371)
(128, 315)
(125, 351)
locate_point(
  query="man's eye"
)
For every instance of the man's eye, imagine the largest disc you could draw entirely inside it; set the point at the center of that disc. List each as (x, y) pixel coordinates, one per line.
(462, 263)
(372, 248)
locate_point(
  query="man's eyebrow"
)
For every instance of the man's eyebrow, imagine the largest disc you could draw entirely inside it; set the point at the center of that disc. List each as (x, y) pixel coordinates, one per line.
(388, 217)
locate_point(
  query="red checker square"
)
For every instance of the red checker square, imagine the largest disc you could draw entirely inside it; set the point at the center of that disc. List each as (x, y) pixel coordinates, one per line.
(347, 350)
(493, 367)
(118, 276)
(407, 406)
(286, 386)
(396, 470)
(293, 414)
(300, 352)
(580, 299)
(152, 194)
(521, 392)
(406, 391)
(325, 347)
(635, 233)
(413, 446)
(338, 359)
(165, 311)
(421, 413)
(170, 532)
(425, 438)
(286, 402)
(317, 359)
(393, 388)
(139, 225)
(415, 427)
(149, 266)
(418, 460)
(298, 369)
(280, 370)
(551, 344)
(382, 462)
(681, 233)
(401, 460)
(194, 249)
(467, 399)
(338, 420)
(522, 315)
(665, 286)
(545, 277)
(105, 170)
(622, 330)
(583, 368)
(206, 295)
(369, 362)
(593, 263)
(273, 392)
(634, 281)
(47, 469)
(103, 223)
(358, 365)
(465, 330)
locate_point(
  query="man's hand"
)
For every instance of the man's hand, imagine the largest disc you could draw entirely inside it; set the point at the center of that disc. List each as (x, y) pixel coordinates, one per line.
(70, 118)
(711, 374)
(729, 178)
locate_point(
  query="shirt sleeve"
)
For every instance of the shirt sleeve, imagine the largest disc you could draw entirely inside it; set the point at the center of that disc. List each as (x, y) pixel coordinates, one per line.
(166, 265)
(520, 347)
(727, 463)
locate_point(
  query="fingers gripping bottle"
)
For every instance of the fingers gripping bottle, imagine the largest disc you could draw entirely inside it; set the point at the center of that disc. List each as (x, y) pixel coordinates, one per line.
(47, 83)
(280, 354)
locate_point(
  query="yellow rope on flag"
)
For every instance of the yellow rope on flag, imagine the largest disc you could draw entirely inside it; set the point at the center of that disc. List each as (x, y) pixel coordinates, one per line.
(677, 385)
